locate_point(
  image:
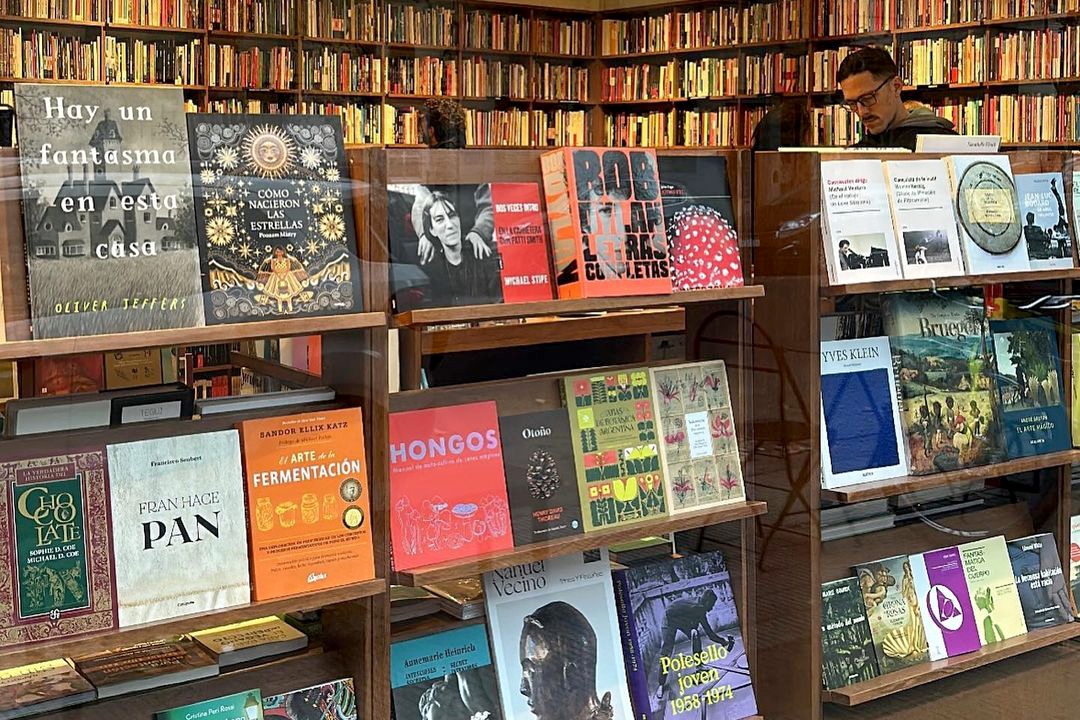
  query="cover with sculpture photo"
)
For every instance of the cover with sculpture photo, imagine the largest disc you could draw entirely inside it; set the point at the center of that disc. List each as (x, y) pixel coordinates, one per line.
(444, 676)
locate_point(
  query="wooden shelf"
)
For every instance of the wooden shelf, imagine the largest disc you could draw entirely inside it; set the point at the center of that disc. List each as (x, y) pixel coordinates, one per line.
(1032, 81)
(67, 647)
(82, 24)
(914, 483)
(955, 27)
(473, 313)
(254, 37)
(159, 29)
(947, 282)
(341, 93)
(342, 41)
(911, 677)
(210, 369)
(588, 541)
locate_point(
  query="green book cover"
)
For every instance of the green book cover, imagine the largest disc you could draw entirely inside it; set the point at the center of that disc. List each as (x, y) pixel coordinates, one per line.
(246, 705)
(616, 451)
(892, 609)
(847, 649)
(989, 575)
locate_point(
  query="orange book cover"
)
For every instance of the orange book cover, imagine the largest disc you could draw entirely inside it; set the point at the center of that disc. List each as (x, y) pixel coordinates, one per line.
(307, 497)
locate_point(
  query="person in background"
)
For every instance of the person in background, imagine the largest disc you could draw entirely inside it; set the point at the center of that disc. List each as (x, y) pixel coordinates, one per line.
(871, 85)
(785, 125)
(444, 123)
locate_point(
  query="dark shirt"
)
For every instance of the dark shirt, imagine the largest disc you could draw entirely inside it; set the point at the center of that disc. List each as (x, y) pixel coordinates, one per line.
(905, 133)
(688, 615)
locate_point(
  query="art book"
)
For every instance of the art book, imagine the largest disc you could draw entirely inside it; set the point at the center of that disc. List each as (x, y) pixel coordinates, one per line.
(892, 610)
(860, 245)
(993, 590)
(988, 213)
(944, 363)
(334, 700)
(275, 217)
(250, 640)
(1045, 220)
(945, 604)
(146, 666)
(447, 674)
(924, 218)
(700, 222)
(555, 636)
(69, 374)
(862, 439)
(847, 648)
(1030, 387)
(699, 451)
(245, 705)
(42, 687)
(55, 557)
(447, 486)
(541, 477)
(108, 210)
(1074, 557)
(1044, 594)
(682, 644)
(607, 222)
(178, 504)
(453, 245)
(616, 450)
(307, 502)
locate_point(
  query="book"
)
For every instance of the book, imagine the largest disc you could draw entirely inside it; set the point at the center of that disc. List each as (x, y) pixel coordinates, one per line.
(250, 640)
(945, 604)
(924, 219)
(993, 589)
(607, 222)
(616, 450)
(862, 439)
(69, 374)
(555, 636)
(275, 219)
(541, 477)
(1044, 594)
(857, 227)
(1029, 383)
(178, 504)
(108, 209)
(307, 502)
(682, 644)
(988, 214)
(699, 450)
(447, 485)
(449, 673)
(146, 666)
(409, 603)
(54, 518)
(1074, 384)
(943, 357)
(132, 368)
(892, 611)
(462, 598)
(847, 648)
(700, 221)
(334, 700)
(1074, 557)
(1045, 220)
(246, 705)
(454, 245)
(42, 687)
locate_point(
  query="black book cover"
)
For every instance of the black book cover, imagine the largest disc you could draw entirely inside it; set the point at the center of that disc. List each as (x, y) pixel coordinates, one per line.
(541, 478)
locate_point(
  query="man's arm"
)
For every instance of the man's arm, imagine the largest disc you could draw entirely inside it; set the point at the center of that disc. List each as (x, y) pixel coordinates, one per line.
(704, 622)
(480, 236)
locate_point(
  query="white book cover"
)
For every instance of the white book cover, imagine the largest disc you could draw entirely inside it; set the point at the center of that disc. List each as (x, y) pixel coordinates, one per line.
(987, 214)
(924, 218)
(179, 526)
(1045, 219)
(860, 242)
(555, 635)
(862, 439)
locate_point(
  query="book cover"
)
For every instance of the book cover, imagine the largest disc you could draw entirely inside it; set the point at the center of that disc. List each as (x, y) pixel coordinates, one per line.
(307, 502)
(860, 245)
(1045, 220)
(447, 674)
(607, 222)
(245, 705)
(944, 363)
(149, 661)
(329, 701)
(924, 218)
(275, 217)
(541, 477)
(1029, 385)
(453, 245)
(892, 611)
(178, 504)
(108, 210)
(945, 604)
(683, 646)
(616, 450)
(555, 636)
(700, 221)
(993, 589)
(1040, 581)
(133, 368)
(68, 374)
(1074, 557)
(247, 635)
(847, 648)
(42, 687)
(987, 213)
(1074, 382)
(699, 450)
(55, 558)
(862, 439)
(447, 485)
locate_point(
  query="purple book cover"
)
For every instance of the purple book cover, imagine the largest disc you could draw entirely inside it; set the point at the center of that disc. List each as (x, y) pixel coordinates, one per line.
(636, 677)
(948, 603)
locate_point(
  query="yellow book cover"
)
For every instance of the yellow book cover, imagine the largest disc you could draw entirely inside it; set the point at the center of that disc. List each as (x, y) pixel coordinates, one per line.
(992, 588)
(249, 634)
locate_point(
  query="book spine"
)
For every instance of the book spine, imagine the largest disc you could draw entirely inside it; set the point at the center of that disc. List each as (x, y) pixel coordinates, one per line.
(637, 676)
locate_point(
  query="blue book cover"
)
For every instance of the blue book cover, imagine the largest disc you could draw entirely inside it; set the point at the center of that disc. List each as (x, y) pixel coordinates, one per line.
(1030, 387)
(1040, 581)
(1045, 219)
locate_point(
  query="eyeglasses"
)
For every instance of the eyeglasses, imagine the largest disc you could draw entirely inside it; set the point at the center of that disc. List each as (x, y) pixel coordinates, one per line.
(869, 99)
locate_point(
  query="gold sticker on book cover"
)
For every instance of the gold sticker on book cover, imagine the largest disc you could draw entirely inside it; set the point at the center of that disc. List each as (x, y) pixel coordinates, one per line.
(987, 208)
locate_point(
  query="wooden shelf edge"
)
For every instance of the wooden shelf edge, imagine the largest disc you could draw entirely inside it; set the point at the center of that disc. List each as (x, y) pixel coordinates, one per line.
(908, 678)
(478, 564)
(947, 282)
